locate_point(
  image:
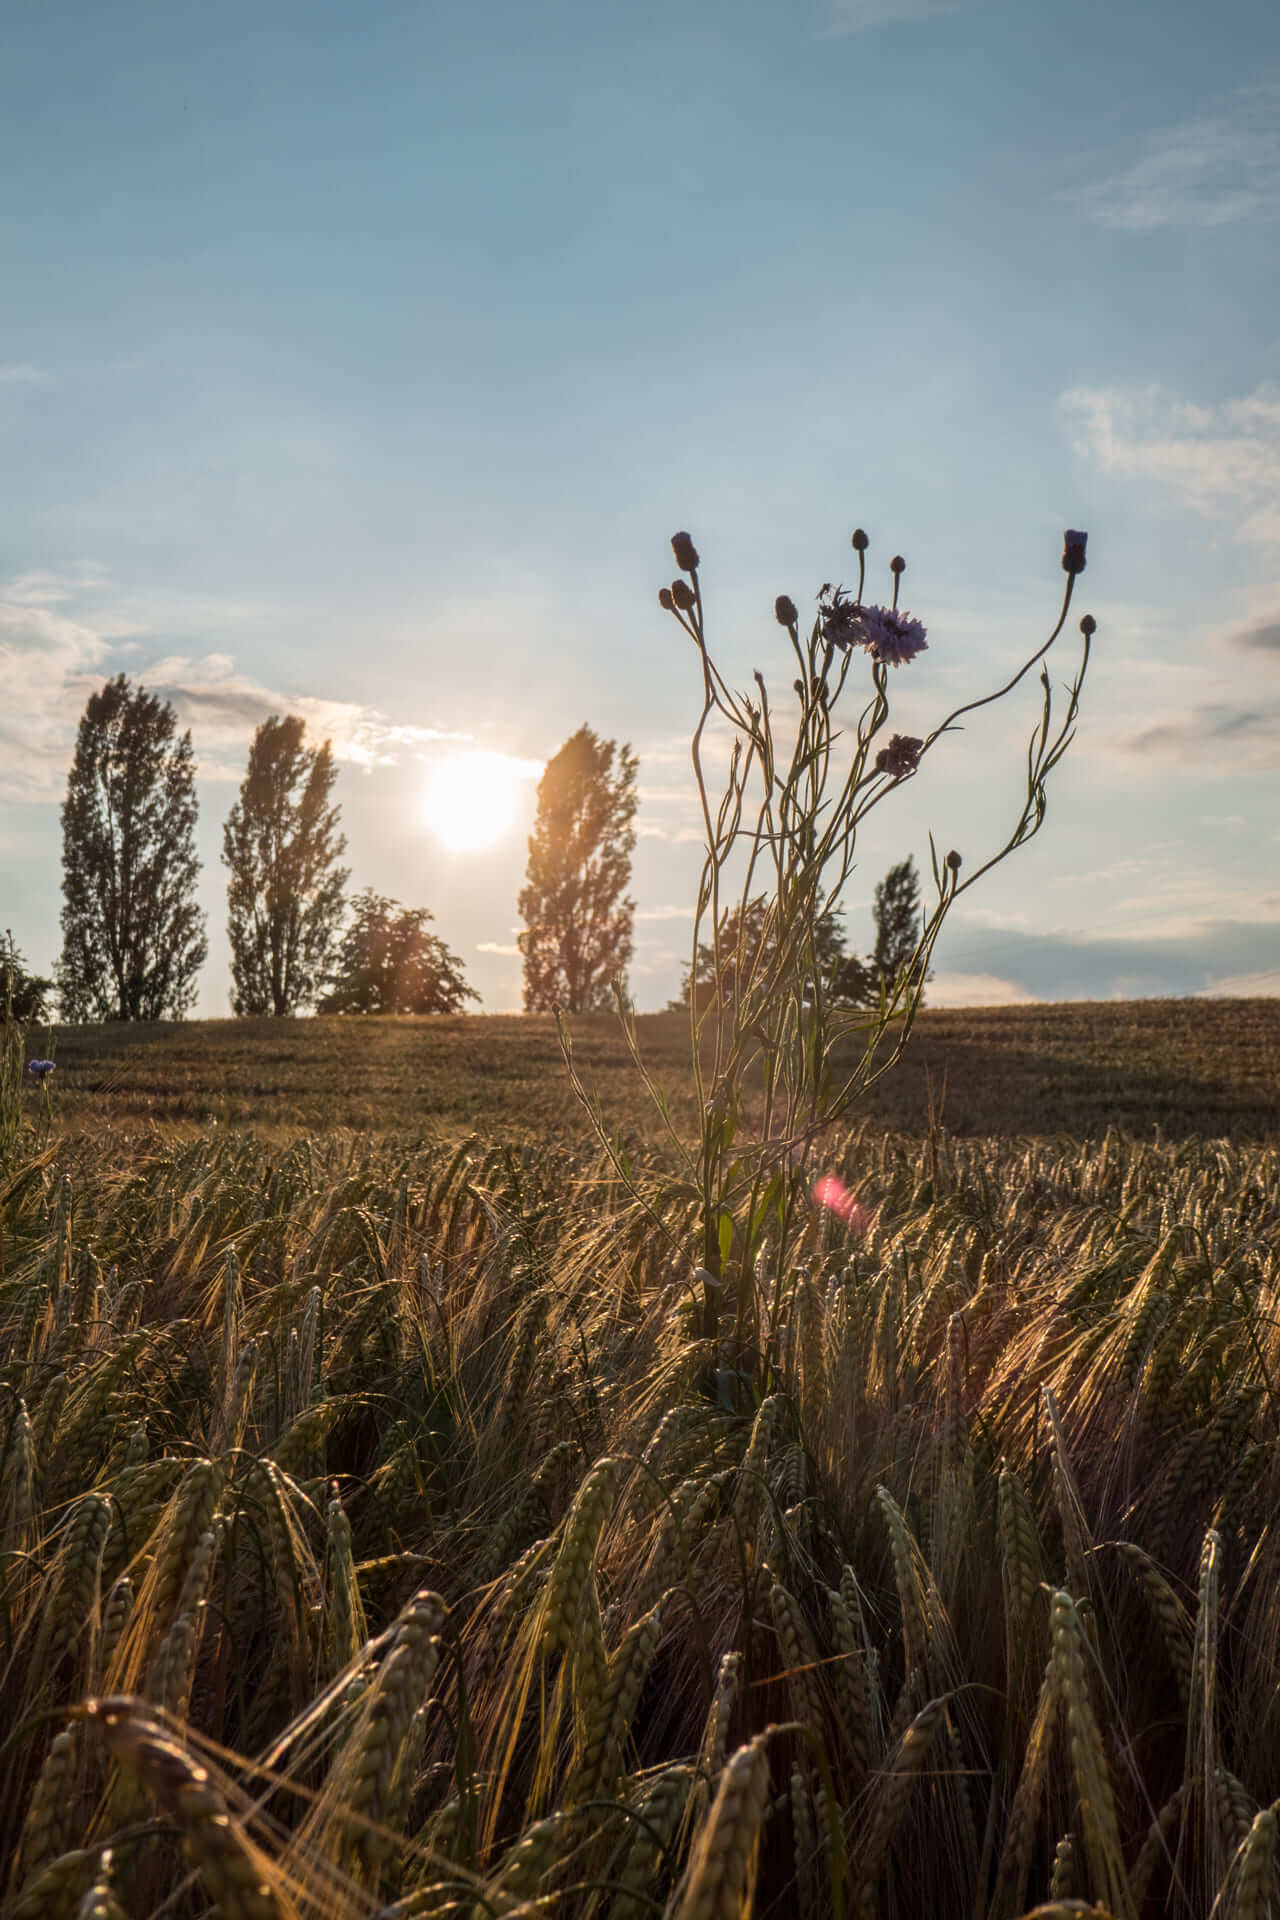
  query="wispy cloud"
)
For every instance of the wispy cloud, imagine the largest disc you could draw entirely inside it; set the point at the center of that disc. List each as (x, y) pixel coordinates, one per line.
(1184, 956)
(50, 663)
(495, 946)
(858, 16)
(1235, 739)
(665, 913)
(977, 990)
(1244, 986)
(1213, 170)
(1264, 638)
(18, 373)
(1224, 460)
(48, 666)
(223, 706)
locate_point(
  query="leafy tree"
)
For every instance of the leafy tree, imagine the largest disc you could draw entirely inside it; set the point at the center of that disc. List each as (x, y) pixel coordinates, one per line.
(389, 963)
(899, 917)
(133, 935)
(22, 994)
(578, 922)
(281, 846)
(745, 940)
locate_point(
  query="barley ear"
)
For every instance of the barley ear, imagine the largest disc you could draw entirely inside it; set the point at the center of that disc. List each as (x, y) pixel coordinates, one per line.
(721, 1873)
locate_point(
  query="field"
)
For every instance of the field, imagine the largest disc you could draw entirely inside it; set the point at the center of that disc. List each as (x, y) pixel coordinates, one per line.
(1176, 1066)
(382, 1533)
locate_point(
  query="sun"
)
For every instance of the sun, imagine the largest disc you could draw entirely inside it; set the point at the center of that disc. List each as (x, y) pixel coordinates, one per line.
(473, 799)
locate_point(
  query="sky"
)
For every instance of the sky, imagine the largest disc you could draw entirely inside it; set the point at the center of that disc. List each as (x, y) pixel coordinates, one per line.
(358, 362)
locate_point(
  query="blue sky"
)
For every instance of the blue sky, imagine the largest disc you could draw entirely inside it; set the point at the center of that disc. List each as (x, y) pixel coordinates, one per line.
(359, 362)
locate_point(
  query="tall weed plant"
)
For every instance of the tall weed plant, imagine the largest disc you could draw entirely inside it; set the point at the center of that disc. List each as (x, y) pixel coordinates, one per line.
(779, 1057)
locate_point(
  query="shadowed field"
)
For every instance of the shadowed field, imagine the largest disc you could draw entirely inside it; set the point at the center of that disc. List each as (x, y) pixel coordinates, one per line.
(1175, 1067)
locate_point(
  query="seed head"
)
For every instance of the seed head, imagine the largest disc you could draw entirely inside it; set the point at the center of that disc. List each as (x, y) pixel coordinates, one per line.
(682, 595)
(900, 757)
(784, 611)
(685, 552)
(1073, 546)
(860, 541)
(665, 601)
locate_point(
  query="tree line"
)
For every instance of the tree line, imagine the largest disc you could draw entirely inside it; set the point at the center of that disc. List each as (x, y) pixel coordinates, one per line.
(133, 934)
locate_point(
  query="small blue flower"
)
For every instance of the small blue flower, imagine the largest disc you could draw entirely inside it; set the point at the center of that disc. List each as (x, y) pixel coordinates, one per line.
(40, 1069)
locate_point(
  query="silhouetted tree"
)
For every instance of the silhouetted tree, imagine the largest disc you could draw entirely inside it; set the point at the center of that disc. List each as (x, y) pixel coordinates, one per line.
(22, 994)
(281, 846)
(578, 921)
(747, 941)
(388, 963)
(132, 934)
(899, 919)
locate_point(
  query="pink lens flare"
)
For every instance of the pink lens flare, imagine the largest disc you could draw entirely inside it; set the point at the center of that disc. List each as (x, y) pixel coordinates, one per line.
(831, 1192)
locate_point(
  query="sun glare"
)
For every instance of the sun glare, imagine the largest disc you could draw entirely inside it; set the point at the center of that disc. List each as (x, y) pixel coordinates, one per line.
(473, 799)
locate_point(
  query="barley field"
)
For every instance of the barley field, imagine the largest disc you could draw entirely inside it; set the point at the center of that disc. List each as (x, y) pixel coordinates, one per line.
(1173, 1067)
(382, 1534)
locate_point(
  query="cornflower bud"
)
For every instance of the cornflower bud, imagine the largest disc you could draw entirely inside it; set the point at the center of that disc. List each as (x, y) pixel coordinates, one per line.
(683, 596)
(860, 541)
(665, 601)
(1073, 546)
(953, 861)
(1088, 626)
(685, 552)
(784, 611)
(897, 564)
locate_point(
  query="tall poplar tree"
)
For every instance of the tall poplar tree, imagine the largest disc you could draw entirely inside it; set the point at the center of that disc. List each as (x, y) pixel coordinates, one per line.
(577, 934)
(281, 846)
(899, 917)
(133, 936)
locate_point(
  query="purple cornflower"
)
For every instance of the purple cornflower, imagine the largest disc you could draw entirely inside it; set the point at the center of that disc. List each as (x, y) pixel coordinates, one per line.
(840, 618)
(40, 1069)
(890, 635)
(886, 633)
(900, 757)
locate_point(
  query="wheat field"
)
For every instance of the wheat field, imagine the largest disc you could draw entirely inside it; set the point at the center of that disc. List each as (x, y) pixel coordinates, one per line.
(382, 1536)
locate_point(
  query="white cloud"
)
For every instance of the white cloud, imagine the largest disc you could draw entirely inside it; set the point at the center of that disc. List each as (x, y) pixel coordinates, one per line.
(48, 666)
(1243, 986)
(223, 706)
(17, 373)
(1212, 170)
(1223, 460)
(495, 946)
(666, 913)
(977, 990)
(50, 663)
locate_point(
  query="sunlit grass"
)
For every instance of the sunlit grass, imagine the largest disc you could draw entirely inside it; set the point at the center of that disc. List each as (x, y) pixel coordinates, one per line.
(974, 1604)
